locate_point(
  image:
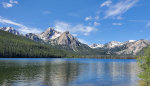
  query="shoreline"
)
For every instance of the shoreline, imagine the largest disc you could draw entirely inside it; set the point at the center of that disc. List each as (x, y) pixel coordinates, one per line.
(81, 57)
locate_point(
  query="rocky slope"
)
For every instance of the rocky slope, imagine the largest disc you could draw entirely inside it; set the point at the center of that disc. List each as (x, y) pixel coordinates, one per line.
(112, 44)
(131, 47)
(46, 36)
(10, 29)
(66, 40)
(33, 36)
(50, 33)
(61, 40)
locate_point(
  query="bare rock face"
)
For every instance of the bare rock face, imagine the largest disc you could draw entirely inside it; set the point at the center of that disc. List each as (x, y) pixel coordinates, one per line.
(33, 36)
(50, 33)
(66, 39)
(46, 36)
(55, 38)
(131, 47)
(10, 29)
(109, 45)
(112, 44)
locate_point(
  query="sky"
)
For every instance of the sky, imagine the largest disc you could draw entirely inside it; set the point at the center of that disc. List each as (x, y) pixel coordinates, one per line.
(91, 21)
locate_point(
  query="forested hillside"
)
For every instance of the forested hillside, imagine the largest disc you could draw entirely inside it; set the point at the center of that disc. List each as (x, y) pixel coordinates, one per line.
(18, 46)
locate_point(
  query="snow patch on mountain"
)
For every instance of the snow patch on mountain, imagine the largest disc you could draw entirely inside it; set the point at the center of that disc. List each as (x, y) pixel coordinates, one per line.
(10, 29)
(97, 45)
(50, 33)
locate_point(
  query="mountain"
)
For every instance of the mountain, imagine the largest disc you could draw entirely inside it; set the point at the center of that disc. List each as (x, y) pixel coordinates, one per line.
(131, 47)
(61, 40)
(69, 42)
(33, 36)
(66, 41)
(112, 44)
(10, 29)
(109, 45)
(50, 33)
(19, 46)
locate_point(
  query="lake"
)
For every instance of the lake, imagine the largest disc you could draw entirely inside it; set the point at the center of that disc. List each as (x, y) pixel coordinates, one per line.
(68, 72)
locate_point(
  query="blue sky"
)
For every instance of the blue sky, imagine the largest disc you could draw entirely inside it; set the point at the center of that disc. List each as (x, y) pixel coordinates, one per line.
(91, 21)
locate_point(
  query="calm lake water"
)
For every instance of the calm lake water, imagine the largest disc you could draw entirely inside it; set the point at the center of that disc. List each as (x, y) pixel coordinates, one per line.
(68, 72)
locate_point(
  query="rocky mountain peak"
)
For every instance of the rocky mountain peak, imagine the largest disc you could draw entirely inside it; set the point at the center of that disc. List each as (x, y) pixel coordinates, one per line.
(113, 44)
(50, 33)
(130, 47)
(67, 32)
(133, 48)
(66, 39)
(33, 36)
(10, 29)
(50, 29)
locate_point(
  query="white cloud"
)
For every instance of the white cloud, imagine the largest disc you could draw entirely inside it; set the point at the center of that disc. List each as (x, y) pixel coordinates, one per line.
(96, 23)
(88, 18)
(9, 4)
(120, 8)
(86, 34)
(75, 34)
(148, 24)
(29, 30)
(62, 26)
(117, 24)
(4, 20)
(106, 3)
(83, 41)
(13, 2)
(79, 28)
(22, 28)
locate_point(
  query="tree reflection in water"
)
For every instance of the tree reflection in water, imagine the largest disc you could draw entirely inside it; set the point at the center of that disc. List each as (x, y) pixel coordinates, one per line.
(68, 72)
(49, 73)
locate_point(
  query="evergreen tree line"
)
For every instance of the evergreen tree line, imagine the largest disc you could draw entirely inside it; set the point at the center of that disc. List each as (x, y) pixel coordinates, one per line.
(21, 47)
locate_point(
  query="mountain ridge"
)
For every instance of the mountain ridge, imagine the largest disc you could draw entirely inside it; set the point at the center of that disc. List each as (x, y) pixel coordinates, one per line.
(64, 40)
(130, 47)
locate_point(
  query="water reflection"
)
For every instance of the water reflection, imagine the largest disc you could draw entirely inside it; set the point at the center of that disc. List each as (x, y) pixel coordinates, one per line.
(67, 72)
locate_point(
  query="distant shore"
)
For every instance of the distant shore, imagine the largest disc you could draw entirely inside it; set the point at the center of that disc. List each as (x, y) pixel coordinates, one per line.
(88, 56)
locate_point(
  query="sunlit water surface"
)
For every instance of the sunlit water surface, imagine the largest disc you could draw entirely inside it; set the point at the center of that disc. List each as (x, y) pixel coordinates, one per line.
(68, 72)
